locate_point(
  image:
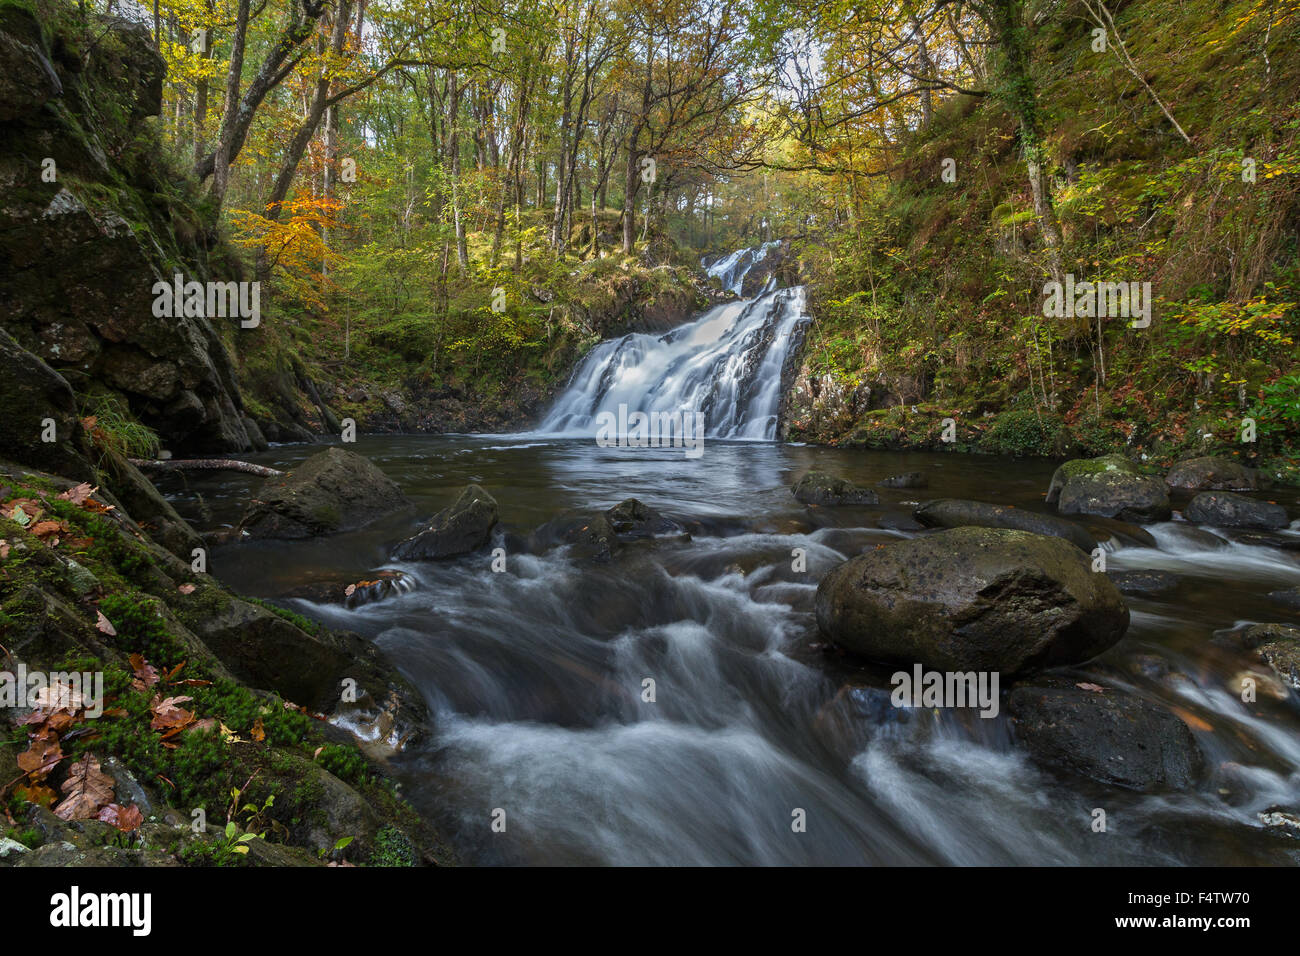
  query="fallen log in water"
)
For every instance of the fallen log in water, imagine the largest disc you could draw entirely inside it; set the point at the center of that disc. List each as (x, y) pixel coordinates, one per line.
(205, 464)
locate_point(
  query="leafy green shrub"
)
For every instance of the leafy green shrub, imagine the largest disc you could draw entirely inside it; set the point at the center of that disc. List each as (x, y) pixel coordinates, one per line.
(1026, 434)
(1278, 413)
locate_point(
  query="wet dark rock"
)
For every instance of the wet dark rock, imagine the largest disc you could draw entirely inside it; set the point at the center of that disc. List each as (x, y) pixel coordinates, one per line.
(899, 521)
(1265, 539)
(1103, 529)
(819, 488)
(462, 528)
(958, 513)
(1111, 736)
(1206, 540)
(1285, 820)
(590, 536)
(1278, 646)
(356, 591)
(1228, 510)
(972, 599)
(32, 391)
(635, 519)
(332, 491)
(265, 650)
(1144, 583)
(1258, 634)
(1211, 474)
(1110, 486)
(911, 479)
(27, 77)
(1288, 597)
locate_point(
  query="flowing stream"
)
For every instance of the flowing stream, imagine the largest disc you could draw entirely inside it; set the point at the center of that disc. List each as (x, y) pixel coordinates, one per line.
(536, 675)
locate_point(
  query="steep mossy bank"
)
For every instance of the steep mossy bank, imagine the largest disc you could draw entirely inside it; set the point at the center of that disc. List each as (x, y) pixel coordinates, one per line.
(930, 304)
(92, 216)
(221, 718)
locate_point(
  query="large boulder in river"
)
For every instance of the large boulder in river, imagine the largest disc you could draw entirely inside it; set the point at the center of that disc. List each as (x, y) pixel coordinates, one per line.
(958, 513)
(983, 599)
(332, 491)
(1224, 509)
(1106, 734)
(1110, 486)
(1208, 473)
(819, 488)
(463, 527)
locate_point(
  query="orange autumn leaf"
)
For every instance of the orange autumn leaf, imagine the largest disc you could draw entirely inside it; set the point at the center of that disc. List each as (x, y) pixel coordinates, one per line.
(1191, 720)
(85, 791)
(125, 819)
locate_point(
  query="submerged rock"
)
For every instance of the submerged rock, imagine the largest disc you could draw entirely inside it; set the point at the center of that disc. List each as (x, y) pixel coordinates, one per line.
(959, 513)
(911, 479)
(1146, 583)
(1227, 510)
(1211, 474)
(463, 527)
(819, 488)
(1109, 735)
(972, 599)
(1110, 486)
(332, 491)
(1289, 597)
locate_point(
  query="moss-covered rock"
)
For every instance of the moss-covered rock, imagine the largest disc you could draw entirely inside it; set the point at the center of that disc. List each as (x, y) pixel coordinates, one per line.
(332, 491)
(979, 599)
(1110, 486)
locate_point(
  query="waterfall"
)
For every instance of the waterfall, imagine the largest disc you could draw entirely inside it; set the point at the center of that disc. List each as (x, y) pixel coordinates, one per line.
(732, 269)
(726, 365)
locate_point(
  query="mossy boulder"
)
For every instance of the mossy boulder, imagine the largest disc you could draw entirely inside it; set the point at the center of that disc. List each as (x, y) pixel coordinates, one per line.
(985, 599)
(1110, 486)
(332, 491)
(1208, 473)
(957, 513)
(1224, 509)
(307, 665)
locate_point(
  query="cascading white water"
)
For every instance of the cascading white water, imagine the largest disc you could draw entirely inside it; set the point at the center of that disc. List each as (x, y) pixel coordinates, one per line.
(726, 365)
(732, 269)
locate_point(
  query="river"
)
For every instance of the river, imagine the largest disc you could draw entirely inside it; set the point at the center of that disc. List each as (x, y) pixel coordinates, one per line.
(537, 674)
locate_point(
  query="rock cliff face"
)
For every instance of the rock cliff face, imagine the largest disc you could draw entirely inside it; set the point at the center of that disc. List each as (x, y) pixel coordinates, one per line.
(91, 219)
